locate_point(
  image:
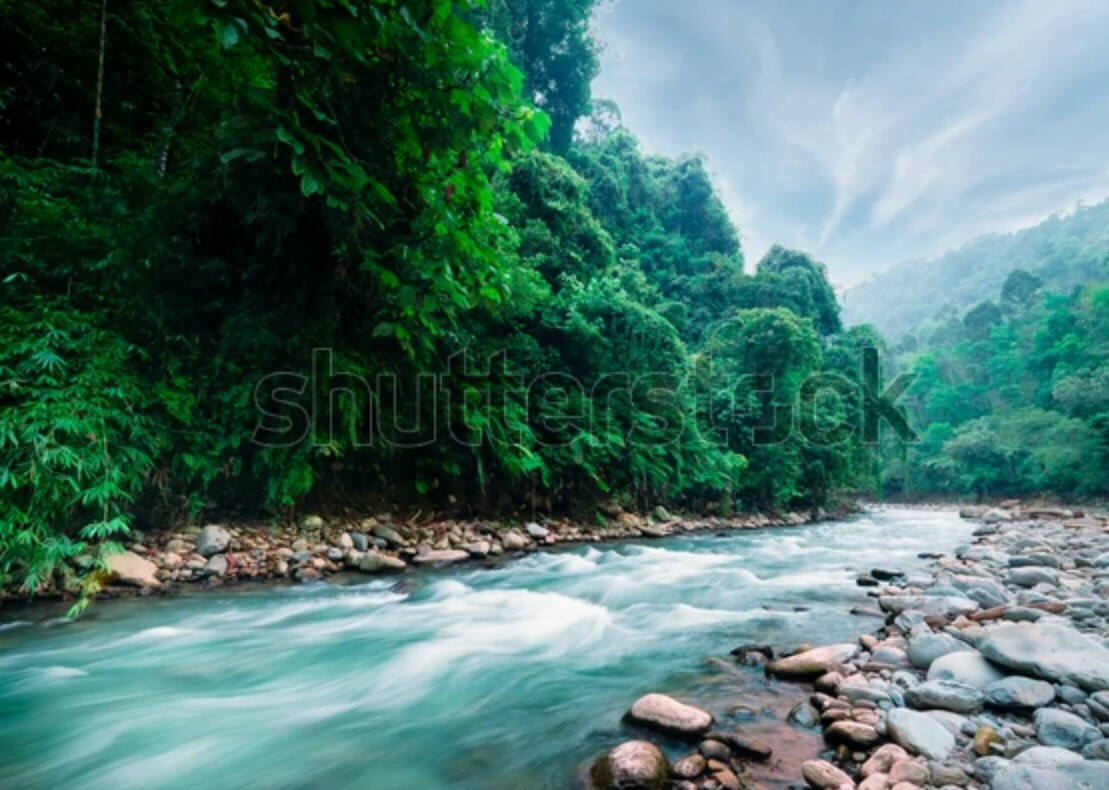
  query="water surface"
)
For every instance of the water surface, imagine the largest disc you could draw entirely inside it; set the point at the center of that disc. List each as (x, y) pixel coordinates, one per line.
(467, 679)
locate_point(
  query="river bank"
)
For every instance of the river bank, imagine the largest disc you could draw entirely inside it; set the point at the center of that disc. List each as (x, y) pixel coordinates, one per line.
(458, 678)
(992, 670)
(315, 548)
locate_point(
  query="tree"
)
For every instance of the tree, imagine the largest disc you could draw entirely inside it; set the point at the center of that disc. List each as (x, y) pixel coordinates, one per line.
(1019, 288)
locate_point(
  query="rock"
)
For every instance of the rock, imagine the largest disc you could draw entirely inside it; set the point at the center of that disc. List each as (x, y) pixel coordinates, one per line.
(129, 568)
(994, 516)
(892, 656)
(217, 565)
(633, 765)
(1096, 750)
(928, 605)
(984, 737)
(915, 772)
(853, 733)
(748, 748)
(334, 553)
(376, 562)
(441, 557)
(812, 662)
(926, 647)
(1046, 755)
(666, 714)
(514, 541)
(1052, 652)
(689, 767)
(390, 535)
(822, 775)
(968, 668)
(311, 523)
(875, 782)
(346, 541)
(1082, 775)
(883, 759)
(919, 733)
(946, 695)
(1019, 692)
(535, 530)
(1056, 727)
(953, 722)
(1031, 576)
(713, 749)
(307, 574)
(803, 715)
(947, 774)
(213, 539)
(727, 779)
(478, 548)
(360, 540)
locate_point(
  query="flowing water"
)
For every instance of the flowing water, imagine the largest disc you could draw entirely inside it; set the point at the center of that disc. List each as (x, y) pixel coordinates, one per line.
(468, 679)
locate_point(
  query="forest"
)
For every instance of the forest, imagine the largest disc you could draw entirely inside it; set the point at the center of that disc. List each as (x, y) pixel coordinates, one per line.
(199, 198)
(229, 186)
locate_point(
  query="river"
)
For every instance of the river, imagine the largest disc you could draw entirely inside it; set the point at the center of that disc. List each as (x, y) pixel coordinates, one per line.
(463, 679)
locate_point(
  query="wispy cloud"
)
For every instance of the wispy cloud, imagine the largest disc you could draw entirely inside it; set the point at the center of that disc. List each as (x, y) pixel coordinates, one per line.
(866, 132)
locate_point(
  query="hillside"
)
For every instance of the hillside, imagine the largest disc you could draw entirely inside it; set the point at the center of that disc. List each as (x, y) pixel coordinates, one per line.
(1063, 251)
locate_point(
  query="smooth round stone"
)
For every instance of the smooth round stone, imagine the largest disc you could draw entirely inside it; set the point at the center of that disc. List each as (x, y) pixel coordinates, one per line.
(1056, 727)
(945, 695)
(924, 648)
(1081, 775)
(666, 714)
(635, 765)
(803, 715)
(1019, 692)
(919, 733)
(821, 774)
(968, 668)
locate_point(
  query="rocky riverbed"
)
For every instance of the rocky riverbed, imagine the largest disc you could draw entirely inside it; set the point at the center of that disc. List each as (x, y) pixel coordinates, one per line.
(991, 671)
(316, 548)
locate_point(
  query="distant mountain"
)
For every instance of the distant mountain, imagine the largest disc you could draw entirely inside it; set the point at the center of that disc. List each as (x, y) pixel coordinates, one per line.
(1063, 251)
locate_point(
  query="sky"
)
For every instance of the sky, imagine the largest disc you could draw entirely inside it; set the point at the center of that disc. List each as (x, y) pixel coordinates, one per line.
(870, 132)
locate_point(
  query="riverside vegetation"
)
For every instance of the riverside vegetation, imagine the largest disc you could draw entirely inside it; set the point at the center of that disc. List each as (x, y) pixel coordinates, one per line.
(238, 184)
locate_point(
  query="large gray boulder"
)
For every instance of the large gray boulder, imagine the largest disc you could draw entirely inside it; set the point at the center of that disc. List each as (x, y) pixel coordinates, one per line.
(213, 539)
(919, 733)
(1019, 692)
(926, 647)
(1080, 775)
(666, 714)
(1056, 727)
(945, 695)
(968, 668)
(1049, 651)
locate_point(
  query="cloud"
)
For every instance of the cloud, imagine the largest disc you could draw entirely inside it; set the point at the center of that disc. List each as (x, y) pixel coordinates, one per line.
(869, 135)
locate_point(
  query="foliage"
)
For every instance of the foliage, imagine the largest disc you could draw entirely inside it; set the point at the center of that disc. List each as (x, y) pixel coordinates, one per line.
(341, 250)
(1012, 401)
(1063, 251)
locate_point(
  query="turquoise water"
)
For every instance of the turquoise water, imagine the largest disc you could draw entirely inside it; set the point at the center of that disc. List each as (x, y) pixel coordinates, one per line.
(460, 680)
